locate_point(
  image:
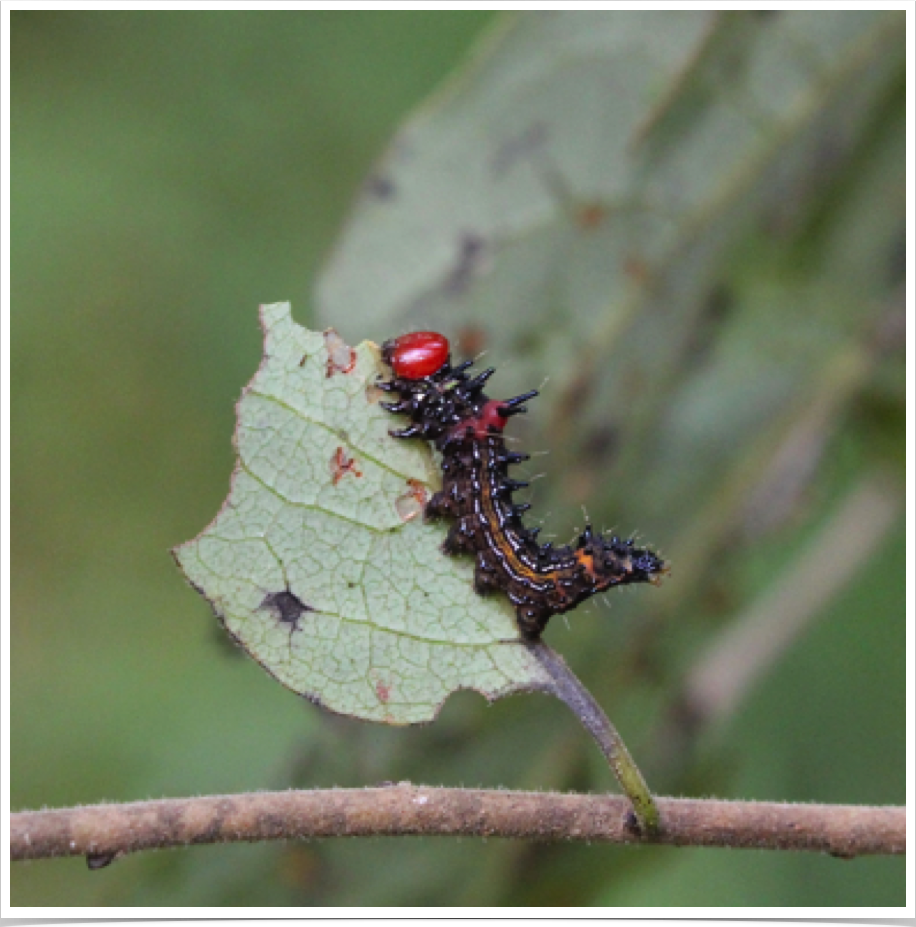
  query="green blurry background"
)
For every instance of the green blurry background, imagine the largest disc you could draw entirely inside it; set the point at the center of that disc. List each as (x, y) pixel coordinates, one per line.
(170, 172)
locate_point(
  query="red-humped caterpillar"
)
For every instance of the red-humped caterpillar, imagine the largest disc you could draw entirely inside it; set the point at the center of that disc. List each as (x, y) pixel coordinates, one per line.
(449, 408)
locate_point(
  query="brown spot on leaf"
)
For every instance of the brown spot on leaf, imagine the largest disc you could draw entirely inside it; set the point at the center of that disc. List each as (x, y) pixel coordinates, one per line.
(471, 261)
(636, 269)
(590, 215)
(341, 357)
(383, 691)
(341, 464)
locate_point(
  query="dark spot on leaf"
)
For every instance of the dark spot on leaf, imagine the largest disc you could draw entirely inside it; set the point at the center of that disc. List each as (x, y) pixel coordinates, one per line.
(341, 464)
(341, 357)
(520, 146)
(302, 361)
(285, 606)
(380, 186)
(471, 257)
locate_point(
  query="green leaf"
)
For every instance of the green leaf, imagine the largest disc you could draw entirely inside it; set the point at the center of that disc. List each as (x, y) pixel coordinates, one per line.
(319, 563)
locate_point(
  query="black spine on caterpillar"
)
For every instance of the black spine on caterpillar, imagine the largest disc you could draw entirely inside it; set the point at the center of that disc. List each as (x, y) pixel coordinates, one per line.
(449, 408)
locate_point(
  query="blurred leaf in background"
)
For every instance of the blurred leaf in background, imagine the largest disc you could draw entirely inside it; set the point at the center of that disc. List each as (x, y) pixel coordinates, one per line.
(693, 224)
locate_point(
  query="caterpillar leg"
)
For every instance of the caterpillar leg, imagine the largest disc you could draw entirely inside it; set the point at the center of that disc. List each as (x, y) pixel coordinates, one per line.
(486, 577)
(439, 506)
(460, 537)
(531, 621)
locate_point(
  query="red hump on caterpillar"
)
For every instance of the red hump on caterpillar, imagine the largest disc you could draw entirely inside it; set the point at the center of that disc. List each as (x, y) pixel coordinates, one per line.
(447, 407)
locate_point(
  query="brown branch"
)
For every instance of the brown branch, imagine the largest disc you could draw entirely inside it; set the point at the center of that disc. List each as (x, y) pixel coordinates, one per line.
(104, 832)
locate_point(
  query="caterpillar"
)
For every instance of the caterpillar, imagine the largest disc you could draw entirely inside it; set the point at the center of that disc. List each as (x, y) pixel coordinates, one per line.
(448, 407)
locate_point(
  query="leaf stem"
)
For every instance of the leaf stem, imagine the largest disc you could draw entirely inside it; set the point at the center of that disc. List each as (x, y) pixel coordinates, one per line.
(567, 687)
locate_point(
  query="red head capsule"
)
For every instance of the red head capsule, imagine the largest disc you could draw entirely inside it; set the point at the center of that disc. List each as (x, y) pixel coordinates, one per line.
(416, 355)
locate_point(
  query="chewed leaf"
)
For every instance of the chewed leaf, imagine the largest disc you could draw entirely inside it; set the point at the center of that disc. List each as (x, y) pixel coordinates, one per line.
(320, 564)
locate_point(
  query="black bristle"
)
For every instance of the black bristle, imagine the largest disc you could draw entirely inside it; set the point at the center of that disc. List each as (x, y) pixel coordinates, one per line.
(411, 431)
(476, 384)
(403, 405)
(516, 401)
